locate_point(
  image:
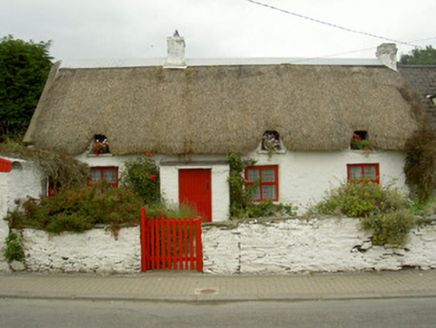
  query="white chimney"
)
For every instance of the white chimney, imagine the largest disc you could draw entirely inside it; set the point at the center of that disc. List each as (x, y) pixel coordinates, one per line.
(176, 52)
(387, 54)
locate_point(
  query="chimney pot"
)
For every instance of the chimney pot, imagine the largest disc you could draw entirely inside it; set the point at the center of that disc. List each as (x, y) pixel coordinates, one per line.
(175, 52)
(387, 54)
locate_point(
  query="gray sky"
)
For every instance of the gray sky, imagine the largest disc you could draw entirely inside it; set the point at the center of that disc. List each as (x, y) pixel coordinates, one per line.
(122, 29)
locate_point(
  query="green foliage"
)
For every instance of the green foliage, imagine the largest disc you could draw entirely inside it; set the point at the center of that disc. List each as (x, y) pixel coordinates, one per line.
(420, 166)
(383, 210)
(78, 209)
(389, 228)
(141, 176)
(425, 56)
(24, 67)
(171, 211)
(14, 250)
(241, 205)
(361, 199)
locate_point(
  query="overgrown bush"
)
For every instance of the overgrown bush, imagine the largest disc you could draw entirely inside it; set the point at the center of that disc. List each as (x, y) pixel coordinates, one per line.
(384, 210)
(420, 166)
(389, 228)
(141, 176)
(14, 250)
(361, 199)
(78, 209)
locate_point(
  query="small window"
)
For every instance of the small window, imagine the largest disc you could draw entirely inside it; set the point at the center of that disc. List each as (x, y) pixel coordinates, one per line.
(108, 175)
(357, 141)
(266, 180)
(357, 172)
(100, 145)
(271, 141)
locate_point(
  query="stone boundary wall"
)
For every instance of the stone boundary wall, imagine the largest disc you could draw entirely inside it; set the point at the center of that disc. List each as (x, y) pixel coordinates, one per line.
(92, 251)
(255, 246)
(322, 244)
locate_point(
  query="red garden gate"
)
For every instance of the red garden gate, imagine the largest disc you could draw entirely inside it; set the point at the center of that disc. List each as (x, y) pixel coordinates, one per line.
(170, 243)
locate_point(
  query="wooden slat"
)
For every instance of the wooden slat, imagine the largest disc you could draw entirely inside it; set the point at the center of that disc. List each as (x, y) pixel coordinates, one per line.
(168, 243)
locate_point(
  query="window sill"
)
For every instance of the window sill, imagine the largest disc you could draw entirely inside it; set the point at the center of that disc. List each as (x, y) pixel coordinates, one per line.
(278, 152)
(100, 155)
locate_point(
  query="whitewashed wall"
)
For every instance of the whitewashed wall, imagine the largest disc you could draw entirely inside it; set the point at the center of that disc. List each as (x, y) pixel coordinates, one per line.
(92, 251)
(323, 244)
(24, 180)
(169, 176)
(304, 177)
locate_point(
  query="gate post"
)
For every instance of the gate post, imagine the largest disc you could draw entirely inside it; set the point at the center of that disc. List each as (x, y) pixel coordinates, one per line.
(144, 242)
(198, 245)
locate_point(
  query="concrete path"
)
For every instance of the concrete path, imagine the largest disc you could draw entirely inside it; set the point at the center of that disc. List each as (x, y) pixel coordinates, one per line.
(187, 286)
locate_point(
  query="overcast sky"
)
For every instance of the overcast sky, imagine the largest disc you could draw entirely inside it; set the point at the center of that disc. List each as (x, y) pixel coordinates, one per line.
(122, 29)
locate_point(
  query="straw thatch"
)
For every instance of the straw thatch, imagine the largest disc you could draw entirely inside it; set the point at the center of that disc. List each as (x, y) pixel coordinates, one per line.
(220, 109)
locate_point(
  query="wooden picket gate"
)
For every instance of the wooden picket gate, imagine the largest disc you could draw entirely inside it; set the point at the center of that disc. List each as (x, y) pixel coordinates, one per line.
(170, 243)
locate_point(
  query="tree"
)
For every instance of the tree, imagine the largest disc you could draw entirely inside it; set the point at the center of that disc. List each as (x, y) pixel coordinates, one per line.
(425, 56)
(24, 67)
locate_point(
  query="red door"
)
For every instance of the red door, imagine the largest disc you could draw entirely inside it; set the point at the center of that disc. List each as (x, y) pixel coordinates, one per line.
(195, 189)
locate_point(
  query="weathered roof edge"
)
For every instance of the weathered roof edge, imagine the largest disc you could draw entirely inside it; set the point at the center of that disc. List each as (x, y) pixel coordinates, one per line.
(50, 80)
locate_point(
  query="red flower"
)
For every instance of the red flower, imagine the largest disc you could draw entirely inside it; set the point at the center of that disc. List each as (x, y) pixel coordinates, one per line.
(148, 154)
(152, 176)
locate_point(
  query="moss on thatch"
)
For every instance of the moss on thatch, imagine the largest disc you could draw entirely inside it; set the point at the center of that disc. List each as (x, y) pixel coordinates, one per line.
(60, 168)
(221, 109)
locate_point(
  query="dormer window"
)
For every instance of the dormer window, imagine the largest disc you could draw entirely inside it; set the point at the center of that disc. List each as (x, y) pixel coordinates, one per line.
(100, 145)
(271, 141)
(360, 141)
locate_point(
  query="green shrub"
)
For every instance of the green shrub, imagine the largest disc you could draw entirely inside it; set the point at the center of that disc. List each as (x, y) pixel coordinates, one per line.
(389, 228)
(361, 199)
(141, 176)
(78, 209)
(384, 211)
(14, 251)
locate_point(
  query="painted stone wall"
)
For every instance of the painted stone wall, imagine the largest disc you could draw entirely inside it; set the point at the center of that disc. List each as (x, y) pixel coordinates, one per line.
(92, 251)
(323, 244)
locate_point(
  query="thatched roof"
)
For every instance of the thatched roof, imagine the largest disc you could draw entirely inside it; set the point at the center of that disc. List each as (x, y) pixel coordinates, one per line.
(423, 80)
(220, 109)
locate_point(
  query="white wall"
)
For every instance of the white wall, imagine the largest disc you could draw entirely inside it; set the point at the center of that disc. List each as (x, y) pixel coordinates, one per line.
(25, 179)
(169, 176)
(322, 244)
(91, 251)
(304, 177)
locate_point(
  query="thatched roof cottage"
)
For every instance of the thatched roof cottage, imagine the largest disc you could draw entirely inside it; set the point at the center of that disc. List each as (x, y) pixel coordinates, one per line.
(191, 113)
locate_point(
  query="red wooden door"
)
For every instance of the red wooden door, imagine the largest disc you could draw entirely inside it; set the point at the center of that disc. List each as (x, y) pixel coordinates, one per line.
(195, 189)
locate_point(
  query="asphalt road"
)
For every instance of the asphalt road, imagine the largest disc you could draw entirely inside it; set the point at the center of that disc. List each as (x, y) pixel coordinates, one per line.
(402, 312)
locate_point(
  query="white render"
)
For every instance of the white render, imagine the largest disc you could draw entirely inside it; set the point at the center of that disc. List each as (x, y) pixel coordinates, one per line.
(324, 244)
(25, 179)
(92, 251)
(304, 177)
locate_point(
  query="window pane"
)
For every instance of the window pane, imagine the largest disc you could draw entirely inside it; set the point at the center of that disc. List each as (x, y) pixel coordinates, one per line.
(269, 192)
(268, 175)
(95, 175)
(355, 173)
(256, 194)
(252, 175)
(109, 176)
(370, 172)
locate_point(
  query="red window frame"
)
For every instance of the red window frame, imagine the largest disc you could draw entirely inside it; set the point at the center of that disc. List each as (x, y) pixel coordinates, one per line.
(102, 169)
(362, 166)
(263, 183)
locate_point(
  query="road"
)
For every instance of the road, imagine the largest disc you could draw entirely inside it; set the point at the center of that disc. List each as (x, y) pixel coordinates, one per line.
(412, 312)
